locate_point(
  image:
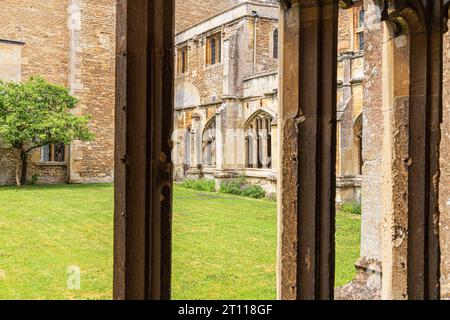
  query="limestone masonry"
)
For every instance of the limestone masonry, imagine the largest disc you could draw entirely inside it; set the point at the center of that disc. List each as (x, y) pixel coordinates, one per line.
(69, 43)
(226, 107)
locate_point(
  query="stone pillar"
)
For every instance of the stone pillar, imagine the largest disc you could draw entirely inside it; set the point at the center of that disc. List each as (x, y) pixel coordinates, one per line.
(219, 139)
(264, 145)
(226, 140)
(369, 264)
(75, 155)
(196, 148)
(444, 194)
(395, 113)
(255, 154)
(306, 194)
(346, 175)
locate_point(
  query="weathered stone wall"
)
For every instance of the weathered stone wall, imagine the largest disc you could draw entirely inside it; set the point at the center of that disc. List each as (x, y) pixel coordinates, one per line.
(350, 103)
(231, 91)
(45, 53)
(445, 175)
(10, 61)
(92, 80)
(372, 139)
(69, 43)
(345, 31)
(190, 12)
(264, 49)
(42, 25)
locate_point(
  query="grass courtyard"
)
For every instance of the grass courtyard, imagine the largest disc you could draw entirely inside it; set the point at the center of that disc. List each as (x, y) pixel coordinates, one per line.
(224, 247)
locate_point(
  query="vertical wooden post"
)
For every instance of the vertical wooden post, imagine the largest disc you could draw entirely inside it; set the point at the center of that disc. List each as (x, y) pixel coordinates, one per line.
(308, 149)
(143, 166)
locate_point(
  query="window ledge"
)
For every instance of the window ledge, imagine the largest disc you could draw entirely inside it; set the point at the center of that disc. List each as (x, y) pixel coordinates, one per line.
(51, 164)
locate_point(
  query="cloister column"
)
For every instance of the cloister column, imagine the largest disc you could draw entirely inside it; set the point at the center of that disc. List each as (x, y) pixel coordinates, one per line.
(254, 149)
(394, 200)
(265, 145)
(143, 166)
(196, 142)
(369, 264)
(423, 21)
(306, 204)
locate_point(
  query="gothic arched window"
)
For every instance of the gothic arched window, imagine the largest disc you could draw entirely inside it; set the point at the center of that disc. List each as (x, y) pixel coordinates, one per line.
(209, 143)
(275, 43)
(187, 147)
(213, 49)
(258, 144)
(359, 15)
(357, 130)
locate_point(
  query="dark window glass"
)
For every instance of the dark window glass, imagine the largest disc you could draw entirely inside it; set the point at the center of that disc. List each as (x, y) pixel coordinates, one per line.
(361, 40)
(362, 13)
(213, 51)
(59, 150)
(275, 44)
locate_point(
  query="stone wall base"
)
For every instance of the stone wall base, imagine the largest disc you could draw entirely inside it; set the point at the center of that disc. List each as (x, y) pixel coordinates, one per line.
(367, 283)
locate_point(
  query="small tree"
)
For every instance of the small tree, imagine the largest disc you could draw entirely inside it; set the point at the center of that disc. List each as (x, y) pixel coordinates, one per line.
(36, 113)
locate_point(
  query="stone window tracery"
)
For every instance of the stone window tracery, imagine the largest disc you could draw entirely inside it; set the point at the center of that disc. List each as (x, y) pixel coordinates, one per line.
(213, 49)
(258, 141)
(53, 153)
(209, 143)
(275, 43)
(358, 131)
(359, 16)
(182, 60)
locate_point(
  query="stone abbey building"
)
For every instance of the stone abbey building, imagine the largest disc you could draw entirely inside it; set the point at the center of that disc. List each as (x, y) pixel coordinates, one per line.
(227, 107)
(226, 115)
(226, 95)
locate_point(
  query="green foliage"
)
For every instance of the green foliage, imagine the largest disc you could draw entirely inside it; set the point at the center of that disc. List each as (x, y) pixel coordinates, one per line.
(240, 187)
(233, 186)
(253, 191)
(34, 180)
(352, 207)
(237, 186)
(207, 185)
(223, 247)
(36, 113)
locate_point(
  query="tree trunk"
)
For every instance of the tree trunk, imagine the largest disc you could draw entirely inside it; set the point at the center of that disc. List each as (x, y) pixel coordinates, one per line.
(18, 163)
(24, 160)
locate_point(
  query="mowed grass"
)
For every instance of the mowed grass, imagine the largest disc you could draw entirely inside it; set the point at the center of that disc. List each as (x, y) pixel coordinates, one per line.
(224, 247)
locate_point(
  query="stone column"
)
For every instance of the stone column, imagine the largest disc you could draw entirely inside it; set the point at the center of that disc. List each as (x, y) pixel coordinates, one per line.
(444, 193)
(306, 195)
(264, 145)
(346, 168)
(74, 24)
(369, 265)
(395, 113)
(255, 153)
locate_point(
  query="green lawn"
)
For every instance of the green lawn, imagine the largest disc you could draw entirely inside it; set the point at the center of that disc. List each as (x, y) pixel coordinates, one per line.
(224, 246)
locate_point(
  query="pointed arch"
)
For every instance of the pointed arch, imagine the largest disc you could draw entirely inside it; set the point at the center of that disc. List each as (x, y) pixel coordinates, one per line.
(209, 142)
(258, 144)
(259, 113)
(275, 41)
